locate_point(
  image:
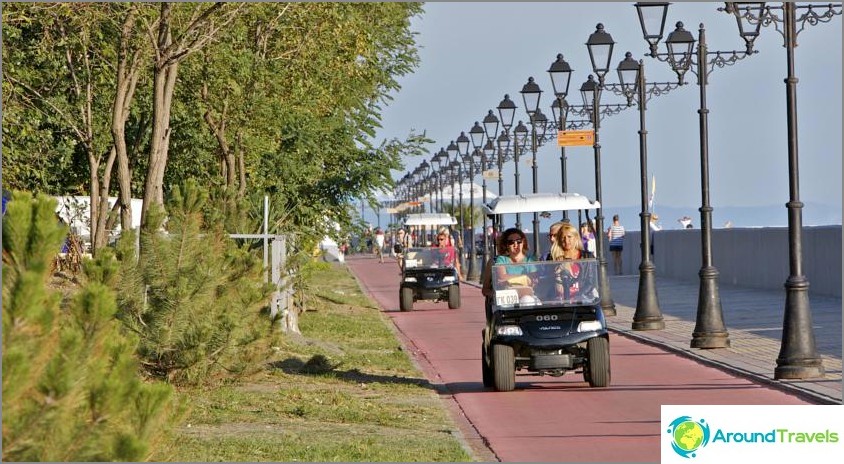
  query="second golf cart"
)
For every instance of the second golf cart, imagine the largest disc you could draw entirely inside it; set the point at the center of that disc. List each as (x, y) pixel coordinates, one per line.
(546, 317)
(429, 273)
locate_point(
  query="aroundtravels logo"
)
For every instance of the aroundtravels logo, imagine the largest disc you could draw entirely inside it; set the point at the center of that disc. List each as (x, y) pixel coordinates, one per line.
(688, 436)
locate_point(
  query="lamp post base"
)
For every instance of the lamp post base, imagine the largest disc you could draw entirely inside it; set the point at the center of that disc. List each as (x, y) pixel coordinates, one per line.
(648, 316)
(797, 369)
(607, 304)
(798, 357)
(472, 274)
(710, 331)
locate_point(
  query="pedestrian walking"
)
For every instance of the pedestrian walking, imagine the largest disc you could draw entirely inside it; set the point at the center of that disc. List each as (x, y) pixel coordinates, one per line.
(379, 244)
(615, 234)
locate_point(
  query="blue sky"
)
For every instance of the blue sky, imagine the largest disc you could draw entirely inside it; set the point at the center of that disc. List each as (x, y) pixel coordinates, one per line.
(473, 53)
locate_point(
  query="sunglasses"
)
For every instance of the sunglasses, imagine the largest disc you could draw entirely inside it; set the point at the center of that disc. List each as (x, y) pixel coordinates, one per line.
(441, 239)
(517, 241)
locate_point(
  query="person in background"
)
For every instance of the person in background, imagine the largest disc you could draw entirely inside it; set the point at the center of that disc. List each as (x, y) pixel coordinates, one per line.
(379, 244)
(443, 242)
(587, 236)
(654, 227)
(403, 242)
(552, 237)
(615, 233)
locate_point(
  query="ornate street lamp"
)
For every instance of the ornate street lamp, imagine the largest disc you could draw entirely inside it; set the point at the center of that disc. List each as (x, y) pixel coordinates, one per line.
(591, 93)
(452, 151)
(503, 143)
(491, 131)
(560, 73)
(631, 75)
(424, 172)
(530, 94)
(506, 113)
(463, 145)
(440, 159)
(710, 331)
(453, 156)
(477, 135)
(600, 45)
(798, 357)
(520, 138)
(486, 155)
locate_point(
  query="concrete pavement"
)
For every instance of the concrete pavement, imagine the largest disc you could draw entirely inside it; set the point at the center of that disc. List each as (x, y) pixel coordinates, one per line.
(754, 320)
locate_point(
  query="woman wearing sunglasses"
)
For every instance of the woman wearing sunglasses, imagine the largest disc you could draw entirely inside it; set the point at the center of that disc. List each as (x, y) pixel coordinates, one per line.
(513, 249)
(443, 241)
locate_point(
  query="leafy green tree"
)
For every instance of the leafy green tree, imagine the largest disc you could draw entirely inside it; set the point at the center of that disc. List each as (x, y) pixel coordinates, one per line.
(71, 384)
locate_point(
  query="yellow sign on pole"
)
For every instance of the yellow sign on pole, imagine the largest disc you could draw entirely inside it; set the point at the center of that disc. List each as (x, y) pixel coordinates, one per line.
(576, 138)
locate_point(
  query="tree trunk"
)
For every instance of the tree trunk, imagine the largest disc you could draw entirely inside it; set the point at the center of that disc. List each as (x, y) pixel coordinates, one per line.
(99, 238)
(241, 165)
(126, 82)
(164, 80)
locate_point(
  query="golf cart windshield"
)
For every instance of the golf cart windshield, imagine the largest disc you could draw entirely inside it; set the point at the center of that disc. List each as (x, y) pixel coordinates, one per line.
(418, 258)
(545, 283)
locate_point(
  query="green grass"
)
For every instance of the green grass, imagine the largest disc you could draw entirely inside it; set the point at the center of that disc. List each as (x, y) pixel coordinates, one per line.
(343, 391)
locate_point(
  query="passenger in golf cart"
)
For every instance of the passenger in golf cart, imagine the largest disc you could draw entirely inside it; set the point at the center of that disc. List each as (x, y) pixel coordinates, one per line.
(535, 280)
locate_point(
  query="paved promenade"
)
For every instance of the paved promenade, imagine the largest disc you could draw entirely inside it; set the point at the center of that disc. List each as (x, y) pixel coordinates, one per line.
(754, 320)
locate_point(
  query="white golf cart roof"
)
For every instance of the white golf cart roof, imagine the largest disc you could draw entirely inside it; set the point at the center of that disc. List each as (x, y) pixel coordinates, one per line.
(429, 219)
(537, 202)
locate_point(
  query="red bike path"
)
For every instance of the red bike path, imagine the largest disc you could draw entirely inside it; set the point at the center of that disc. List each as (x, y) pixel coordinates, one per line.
(548, 419)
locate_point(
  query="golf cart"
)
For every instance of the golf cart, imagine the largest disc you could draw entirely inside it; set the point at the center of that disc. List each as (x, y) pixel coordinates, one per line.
(429, 273)
(544, 317)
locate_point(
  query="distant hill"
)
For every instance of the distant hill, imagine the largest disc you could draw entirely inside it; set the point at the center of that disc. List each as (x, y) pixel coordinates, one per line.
(814, 214)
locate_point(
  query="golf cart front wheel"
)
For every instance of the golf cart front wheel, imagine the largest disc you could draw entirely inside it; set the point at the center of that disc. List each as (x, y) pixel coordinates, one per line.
(454, 297)
(406, 299)
(598, 364)
(503, 367)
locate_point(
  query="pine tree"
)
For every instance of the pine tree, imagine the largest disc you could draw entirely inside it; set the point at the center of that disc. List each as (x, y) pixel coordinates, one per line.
(194, 297)
(71, 384)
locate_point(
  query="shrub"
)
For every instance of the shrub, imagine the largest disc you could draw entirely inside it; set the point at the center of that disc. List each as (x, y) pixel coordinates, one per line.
(71, 384)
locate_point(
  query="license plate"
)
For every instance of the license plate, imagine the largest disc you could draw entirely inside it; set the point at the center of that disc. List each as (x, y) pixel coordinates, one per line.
(506, 297)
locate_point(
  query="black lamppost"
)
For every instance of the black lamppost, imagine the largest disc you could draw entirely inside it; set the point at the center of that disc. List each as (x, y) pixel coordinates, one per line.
(503, 143)
(560, 73)
(600, 45)
(477, 135)
(452, 174)
(463, 146)
(486, 155)
(530, 94)
(506, 113)
(424, 171)
(457, 175)
(798, 357)
(436, 161)
(591, 93)
(631, 75)
(491, 130)
(519, 141)
(710, 331)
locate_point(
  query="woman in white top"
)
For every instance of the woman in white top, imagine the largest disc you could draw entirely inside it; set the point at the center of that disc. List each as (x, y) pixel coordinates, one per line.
(615, 233)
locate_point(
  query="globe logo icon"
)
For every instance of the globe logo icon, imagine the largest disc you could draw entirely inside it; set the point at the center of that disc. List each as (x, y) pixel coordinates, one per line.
(688, 435)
